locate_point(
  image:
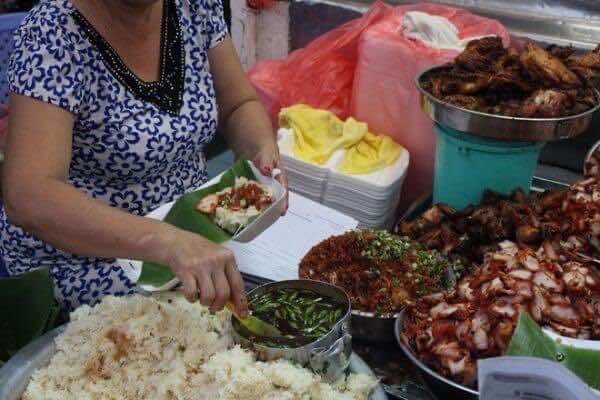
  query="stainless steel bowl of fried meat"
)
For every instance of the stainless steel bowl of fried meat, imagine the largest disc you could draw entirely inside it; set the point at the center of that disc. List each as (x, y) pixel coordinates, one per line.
(537, 94)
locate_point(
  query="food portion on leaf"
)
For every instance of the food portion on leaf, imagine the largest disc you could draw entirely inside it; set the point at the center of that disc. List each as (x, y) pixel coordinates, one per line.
(184, 215)
(234, 207)
(450, 331)
(381, 272)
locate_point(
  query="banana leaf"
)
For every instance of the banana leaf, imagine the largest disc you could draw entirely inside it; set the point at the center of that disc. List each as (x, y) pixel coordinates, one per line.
(529, 340)
(27, 310)
(183, 215)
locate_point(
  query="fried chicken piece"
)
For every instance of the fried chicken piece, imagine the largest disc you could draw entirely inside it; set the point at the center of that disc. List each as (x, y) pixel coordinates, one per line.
(464, 83)
(481, 54)
(510, 108)
(586, 66)
(547, 103)
(589, 60)
(434, 86)
(562, 52)
(547, 68)
(509, 80)
(468, 102)
(510, 59)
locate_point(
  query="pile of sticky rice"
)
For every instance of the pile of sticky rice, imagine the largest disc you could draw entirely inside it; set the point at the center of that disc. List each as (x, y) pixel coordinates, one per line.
(166, 348)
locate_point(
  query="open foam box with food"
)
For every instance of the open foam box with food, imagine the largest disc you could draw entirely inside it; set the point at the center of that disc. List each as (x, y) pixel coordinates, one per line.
(237, 205)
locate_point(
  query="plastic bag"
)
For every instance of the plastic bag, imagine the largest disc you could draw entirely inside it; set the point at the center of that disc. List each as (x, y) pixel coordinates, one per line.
(384, 91)
(321, 74)
(366, 69)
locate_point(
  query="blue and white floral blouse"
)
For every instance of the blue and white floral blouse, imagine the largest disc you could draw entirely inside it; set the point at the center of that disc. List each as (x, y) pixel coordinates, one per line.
(136, 145)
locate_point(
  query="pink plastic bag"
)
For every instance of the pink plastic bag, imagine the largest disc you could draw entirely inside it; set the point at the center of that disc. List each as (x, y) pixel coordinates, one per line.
(384, 92)
(321, 74)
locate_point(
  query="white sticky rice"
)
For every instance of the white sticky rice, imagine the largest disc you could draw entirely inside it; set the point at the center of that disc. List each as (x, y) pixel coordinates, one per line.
(166, 348)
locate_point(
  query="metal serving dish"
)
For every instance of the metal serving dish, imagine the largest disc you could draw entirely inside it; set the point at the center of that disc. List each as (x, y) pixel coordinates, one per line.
(329, 355)
(438, 383)
(16, 373)
(372, 328)
(502, 127)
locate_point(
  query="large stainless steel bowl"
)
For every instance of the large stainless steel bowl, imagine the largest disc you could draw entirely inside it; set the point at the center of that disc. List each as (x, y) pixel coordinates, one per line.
(437, 382)
(502, 127)
(16, 373)
(330, 354)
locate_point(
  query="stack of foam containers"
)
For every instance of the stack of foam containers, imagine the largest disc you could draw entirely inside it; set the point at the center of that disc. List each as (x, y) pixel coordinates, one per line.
(371, 199)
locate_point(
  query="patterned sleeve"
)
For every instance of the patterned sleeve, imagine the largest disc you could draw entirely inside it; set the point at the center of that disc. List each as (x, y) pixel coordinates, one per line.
(44, 66)
(215, 28)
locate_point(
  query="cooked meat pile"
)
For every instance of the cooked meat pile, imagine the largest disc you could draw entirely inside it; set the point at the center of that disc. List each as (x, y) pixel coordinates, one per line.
(534, 254)
(449, 331)
(580, 230)
(570, 219)
(470, 233)
(380, 272)
(537, 83)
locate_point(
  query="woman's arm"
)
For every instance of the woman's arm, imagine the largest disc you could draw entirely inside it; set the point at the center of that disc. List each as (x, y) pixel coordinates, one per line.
(38, 198)
(246, 124)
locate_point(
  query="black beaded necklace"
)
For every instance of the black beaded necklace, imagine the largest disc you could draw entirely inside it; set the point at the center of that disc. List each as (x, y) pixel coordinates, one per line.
(167, 92)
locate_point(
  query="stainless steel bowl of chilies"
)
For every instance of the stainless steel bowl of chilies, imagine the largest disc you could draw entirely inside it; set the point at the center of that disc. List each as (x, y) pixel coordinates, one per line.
(314, 320)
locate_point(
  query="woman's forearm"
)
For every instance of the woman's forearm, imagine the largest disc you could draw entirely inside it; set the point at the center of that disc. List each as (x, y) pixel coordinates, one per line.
(248, 129)
(245, 122)
(70, 220)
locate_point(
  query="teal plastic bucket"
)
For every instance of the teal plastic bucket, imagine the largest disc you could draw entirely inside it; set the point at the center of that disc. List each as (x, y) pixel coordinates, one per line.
(467, 165)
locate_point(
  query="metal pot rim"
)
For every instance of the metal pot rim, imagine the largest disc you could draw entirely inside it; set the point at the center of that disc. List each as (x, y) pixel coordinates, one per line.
(590, 154)
(369, 314)
(424, 368)
(525, 133)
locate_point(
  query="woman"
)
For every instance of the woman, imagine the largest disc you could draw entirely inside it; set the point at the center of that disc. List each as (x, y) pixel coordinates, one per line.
(112, 103)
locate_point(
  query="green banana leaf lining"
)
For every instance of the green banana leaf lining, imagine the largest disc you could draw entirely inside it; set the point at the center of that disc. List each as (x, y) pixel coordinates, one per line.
(529, 340)
(183, 215)
(28, 309)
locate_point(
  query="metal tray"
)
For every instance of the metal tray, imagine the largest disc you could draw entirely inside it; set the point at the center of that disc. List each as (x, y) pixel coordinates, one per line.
(502, 127)
(436, 382)
(16, 373)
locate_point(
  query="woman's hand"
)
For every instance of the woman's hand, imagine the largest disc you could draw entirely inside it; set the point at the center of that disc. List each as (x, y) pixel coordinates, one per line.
(245, 122)
(267, 160)
(207, 271)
